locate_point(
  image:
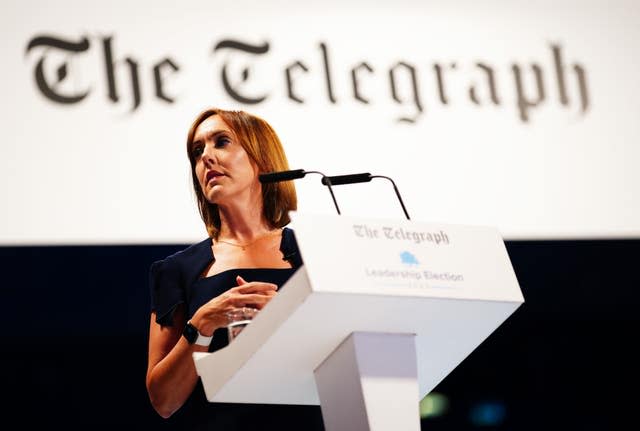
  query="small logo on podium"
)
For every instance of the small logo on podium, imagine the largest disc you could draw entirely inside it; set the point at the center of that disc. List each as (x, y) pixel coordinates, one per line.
(408, 258)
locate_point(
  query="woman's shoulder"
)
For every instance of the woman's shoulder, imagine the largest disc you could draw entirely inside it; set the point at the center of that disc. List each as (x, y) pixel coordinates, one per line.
(170, 277)
(194, 251)
(289, 247)
(188, 258)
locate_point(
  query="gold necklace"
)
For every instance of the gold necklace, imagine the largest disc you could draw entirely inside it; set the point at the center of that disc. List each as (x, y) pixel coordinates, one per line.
(244, 246)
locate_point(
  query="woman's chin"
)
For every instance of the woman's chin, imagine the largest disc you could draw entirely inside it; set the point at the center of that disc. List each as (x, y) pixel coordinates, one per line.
(215, 195)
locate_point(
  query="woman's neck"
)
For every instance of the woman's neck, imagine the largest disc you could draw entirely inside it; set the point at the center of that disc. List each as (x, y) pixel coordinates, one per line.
(242, 223)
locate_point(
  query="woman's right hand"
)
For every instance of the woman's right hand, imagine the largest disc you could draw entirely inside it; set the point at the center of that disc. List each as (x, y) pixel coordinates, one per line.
(213, 314)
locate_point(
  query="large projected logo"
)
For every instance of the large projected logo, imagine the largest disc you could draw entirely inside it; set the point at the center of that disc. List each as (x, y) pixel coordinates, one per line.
(482, 83)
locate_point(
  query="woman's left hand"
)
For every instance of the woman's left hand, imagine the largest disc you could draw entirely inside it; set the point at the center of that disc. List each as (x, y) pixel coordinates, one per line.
(267, 289)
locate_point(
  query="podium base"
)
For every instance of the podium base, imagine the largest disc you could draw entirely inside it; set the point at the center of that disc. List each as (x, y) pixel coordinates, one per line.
(370, 382)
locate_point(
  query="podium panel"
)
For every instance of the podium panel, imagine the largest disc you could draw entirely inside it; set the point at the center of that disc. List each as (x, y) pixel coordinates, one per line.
(450, 286)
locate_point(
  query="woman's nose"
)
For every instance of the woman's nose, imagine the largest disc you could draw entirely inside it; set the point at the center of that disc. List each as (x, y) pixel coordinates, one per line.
(209, 155)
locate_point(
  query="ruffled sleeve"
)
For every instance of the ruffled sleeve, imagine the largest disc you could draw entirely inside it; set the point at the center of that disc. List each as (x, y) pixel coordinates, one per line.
(171, 278)
(166, 288)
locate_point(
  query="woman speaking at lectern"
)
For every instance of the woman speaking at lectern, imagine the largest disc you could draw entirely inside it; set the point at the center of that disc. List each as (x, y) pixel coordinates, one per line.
(248, 254)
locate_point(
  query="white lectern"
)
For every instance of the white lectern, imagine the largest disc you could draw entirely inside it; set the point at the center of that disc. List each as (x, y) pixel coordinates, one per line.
(379, 314)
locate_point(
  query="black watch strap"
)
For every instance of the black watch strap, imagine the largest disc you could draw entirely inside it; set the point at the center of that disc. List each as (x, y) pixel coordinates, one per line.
(193, 336)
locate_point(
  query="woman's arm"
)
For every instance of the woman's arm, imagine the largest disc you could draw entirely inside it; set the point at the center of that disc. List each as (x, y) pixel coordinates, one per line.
(171, 372)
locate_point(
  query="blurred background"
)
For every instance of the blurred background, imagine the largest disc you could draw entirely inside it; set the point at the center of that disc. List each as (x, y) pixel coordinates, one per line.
(503, 113)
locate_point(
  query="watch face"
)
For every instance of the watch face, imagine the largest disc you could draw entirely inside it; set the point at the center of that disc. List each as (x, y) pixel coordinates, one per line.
(190, 333)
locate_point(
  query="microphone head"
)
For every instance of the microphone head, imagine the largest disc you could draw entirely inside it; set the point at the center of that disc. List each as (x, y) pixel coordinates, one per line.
(338, 180)
(274, 177)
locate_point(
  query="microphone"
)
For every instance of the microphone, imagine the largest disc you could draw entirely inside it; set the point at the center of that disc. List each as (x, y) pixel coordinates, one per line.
(275, 177)
(338, 180)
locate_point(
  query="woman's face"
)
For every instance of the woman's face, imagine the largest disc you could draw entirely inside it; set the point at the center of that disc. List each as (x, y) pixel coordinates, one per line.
(223, 168)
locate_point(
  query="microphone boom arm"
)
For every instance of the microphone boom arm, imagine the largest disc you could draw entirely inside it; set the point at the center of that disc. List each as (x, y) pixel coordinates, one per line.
(395, 188)
(274, 177)
(362, 178)
(327, 182)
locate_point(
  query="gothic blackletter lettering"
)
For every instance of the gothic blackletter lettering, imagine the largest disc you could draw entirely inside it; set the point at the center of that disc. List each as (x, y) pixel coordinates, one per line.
(523, 102)
(288, 70)
(562, 81)
(157, 75)
(442, 93)
(327, 72)
(109, 64)
(354, 79)
(582, 86)
(235, 45)
(414, 85)
(49, 87)
(491, 82)
(559, 66)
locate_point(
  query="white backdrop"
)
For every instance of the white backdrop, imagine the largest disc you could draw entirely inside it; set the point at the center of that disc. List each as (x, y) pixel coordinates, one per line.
(114, 170)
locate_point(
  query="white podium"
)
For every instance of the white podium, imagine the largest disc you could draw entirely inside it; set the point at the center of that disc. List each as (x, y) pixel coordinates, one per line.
(379, 314)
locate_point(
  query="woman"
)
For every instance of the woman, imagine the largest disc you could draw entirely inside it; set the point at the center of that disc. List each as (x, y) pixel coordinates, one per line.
(249, 254)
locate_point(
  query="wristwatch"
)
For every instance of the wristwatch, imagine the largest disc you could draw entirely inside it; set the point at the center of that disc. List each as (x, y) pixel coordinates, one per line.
(194, 336)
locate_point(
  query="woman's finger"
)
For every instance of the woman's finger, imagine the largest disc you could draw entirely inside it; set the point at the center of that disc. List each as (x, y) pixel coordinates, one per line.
(251, 300)
(255, 287)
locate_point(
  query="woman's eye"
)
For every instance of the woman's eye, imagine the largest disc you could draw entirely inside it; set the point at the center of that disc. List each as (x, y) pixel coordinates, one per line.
(197, 152)
(222, 141)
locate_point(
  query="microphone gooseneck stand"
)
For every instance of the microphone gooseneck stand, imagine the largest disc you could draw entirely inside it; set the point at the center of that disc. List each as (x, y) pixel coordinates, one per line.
(362, 178)
(274, 177)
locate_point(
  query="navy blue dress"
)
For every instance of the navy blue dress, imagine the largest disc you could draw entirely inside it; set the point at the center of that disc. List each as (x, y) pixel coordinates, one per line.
(176, 280)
